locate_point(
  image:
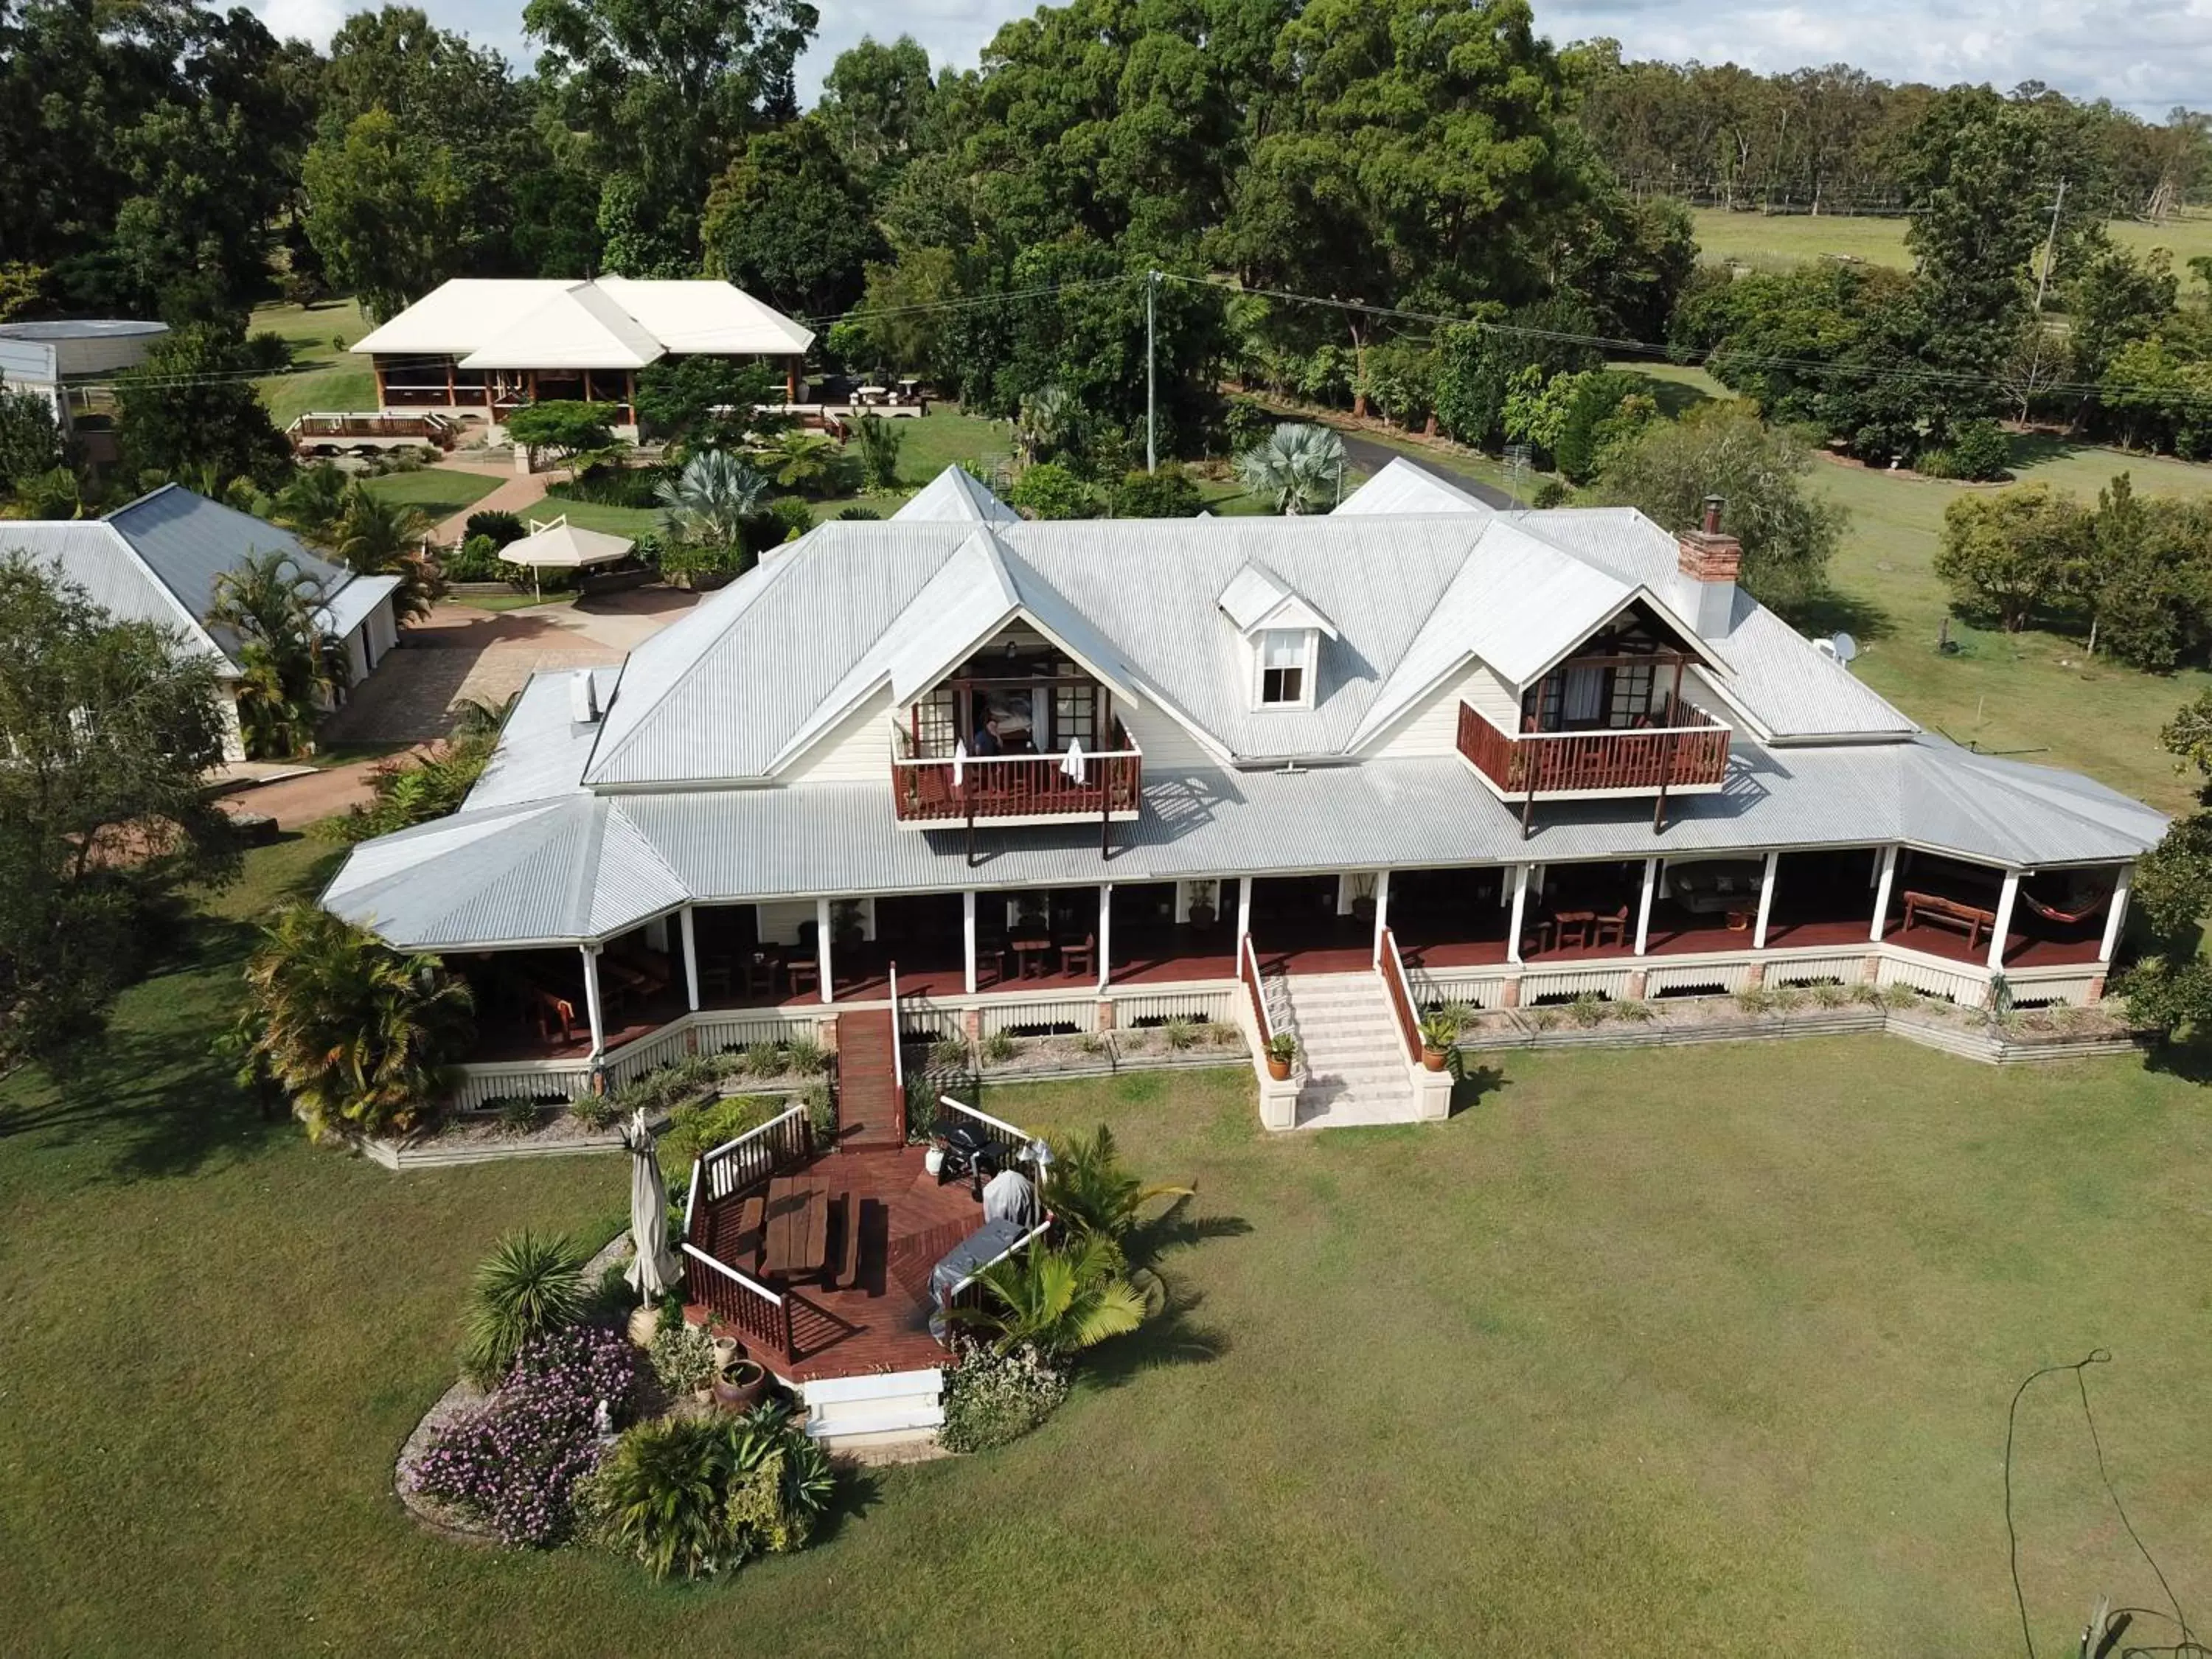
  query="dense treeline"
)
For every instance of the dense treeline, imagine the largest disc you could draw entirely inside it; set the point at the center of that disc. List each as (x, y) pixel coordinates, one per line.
(1836, 140)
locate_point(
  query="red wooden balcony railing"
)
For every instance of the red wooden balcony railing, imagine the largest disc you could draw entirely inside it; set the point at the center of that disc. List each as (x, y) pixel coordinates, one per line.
(924, 789)
(1690, 751)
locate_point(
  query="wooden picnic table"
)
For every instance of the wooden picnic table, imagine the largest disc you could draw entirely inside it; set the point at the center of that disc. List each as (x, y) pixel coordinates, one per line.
(797, 1226)
(1961, 917)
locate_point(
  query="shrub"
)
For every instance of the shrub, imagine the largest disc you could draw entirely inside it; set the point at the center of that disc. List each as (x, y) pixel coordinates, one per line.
(689, 1497)
(1980, 451)
(764, 1058)
(1634, 1012)
(698, 1128)
(1461, 1014)
(999, 1047)
(1169, 493)
(682, 1357)
(517, 1114)
(949, 1054)
(1587, 1009)
(597, 1111)
(475, 560)
(1790, 997)
(857, 514)
(1899, 995)
(529, 1286)
(992, 1398)
(804, 1055)
(515, 1463)
(1179, 1033)
(1829, 994)
(499, 526)
(1554, 492)
(1755, 1000)
(821, 1111)
(612, 485)
(1049, 490)
(1091, 1042)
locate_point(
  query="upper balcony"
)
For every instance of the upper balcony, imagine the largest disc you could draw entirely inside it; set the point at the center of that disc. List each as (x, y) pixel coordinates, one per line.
(1680, 749)
(942, 790)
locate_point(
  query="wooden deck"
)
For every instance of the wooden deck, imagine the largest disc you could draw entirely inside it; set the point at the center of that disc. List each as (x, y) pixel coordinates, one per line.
(906, 1223)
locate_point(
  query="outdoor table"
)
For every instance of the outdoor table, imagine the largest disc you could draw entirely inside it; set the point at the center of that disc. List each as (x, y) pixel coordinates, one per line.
(761, 972)
(1030, 954)
(797, 1227)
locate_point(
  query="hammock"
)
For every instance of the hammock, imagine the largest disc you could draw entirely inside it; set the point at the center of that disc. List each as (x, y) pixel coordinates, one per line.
(2080, 908)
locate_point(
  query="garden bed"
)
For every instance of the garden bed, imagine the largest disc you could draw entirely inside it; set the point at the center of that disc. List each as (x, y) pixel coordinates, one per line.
(1106, 1053)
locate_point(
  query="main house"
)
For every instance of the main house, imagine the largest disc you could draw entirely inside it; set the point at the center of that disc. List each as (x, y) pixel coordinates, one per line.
(158, 559)
(484, 347)
(1316, 773)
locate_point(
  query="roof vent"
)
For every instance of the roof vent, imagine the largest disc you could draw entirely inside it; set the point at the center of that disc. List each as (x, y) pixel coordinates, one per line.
(583, 697)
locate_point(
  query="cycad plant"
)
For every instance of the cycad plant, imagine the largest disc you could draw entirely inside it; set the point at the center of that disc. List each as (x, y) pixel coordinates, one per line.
(357, 1035)
(274, 607)
(1094, 1196)
(804, 461)
(1060, 1301)
(1298, 467)
(689, 1496)
(879, 450)
(706, 505)
(530, 1285)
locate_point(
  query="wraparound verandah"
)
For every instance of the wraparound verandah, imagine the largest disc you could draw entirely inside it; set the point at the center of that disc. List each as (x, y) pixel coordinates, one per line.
(1084, 956)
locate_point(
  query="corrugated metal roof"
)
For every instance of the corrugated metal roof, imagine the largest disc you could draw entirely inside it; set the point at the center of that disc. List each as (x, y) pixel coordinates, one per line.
(625, 322)
(580, 327)
(93, 554)
(350, 606)
(188, 541)
(584, 865)
(1402, 487)
(541, 751)
(955, 495)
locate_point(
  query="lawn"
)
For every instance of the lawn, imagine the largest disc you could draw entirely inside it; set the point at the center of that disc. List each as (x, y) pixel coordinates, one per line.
(1760, 238)
(439, 491)
(323, 376)
(1706, 1349)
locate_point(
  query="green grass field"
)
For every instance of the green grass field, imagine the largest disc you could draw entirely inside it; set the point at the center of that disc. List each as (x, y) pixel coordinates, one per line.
(436, 491)
(1706, 1349)
(1760, 238)
(323, 377)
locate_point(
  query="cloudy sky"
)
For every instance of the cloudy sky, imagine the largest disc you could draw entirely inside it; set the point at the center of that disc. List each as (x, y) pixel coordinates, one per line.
(2148, 55)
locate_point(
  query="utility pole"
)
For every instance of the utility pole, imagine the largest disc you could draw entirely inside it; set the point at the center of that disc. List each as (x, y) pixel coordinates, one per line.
(2050, 249)
(1152, 354)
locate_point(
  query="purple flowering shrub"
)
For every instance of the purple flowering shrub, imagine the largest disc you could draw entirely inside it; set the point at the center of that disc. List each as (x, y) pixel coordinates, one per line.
(514, 1462)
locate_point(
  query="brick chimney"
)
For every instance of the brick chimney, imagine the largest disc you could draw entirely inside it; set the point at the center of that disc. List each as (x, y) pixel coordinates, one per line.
(1706, 560)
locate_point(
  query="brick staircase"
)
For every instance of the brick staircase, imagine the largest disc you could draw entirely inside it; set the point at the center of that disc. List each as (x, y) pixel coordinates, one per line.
(1354, 1061)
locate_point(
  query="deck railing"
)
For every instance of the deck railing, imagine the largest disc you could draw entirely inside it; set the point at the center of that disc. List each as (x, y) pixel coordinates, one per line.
(1010, 1138)
(1248, 970)
(753, 1156)
(969, 1292)
(923, 791)
(1690, 752)
(740, 1300)
(1393, 969)
(428, 428)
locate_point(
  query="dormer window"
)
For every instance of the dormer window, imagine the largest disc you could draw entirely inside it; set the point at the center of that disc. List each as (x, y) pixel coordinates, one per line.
(1286, 665)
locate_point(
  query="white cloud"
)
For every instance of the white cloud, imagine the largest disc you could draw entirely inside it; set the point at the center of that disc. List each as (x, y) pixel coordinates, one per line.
(2148, 55)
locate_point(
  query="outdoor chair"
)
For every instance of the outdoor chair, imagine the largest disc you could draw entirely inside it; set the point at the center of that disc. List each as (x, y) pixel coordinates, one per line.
(803, 974)
(1080, 958)
(1613, 929)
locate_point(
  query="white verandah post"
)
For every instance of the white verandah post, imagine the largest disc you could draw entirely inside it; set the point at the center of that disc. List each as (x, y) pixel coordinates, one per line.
(968, 938)
(691, 958)
(1519, 908)
(590, 953)
(1243, 906)
(2003, 927)
(1882, 886)
(822, 945)
(1105, 933)
(1643, 905)
(1765, 901)
(2116, 917)
(1382, 911)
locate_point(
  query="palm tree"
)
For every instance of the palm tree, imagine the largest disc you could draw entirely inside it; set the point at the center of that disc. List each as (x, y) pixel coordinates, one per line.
(1044, 423)
(1058, 1301)
(1297, 466)
(312, 503)
(708, 503)
(804, 461)
(1095, 1195)
(377, 537)
(358, 1035)
(274, 608)
(531, 1285)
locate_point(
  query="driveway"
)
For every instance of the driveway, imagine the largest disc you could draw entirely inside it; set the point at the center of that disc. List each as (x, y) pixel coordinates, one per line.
(460, 653)
(297, 801)
(1373, 457)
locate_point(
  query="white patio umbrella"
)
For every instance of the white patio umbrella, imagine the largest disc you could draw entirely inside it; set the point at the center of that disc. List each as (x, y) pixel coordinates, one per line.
(654, 1269)
(557, 545)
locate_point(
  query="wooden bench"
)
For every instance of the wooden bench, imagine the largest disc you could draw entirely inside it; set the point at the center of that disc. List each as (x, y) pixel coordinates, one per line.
(848, 1242)
(1939, 912)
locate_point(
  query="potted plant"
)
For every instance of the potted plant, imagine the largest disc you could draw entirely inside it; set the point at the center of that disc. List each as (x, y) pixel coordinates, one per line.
(1439, 1036)
(739, 1386)
(1201, 911)
(1282, 1050)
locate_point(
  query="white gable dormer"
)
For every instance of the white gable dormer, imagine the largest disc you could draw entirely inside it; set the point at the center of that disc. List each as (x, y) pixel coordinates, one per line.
(1281, 632)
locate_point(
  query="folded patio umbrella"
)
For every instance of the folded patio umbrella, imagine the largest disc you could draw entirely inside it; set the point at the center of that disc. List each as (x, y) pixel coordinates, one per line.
(653, 1270)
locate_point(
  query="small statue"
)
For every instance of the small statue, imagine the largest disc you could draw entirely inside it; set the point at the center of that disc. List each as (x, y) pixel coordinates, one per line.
(603, 1419)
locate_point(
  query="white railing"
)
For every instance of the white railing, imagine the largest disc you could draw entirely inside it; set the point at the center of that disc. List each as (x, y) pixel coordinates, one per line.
(1845, 967)
(1248, 959)
(1010, 1134)
(1727, 977)
(1007, 1014)
(1969, 989)
(738, 1275)
(1479, 987)
(634, 1059)
(738, 1028)
(751, 1156)
(477, 1085)
(1572, 982)
(1403, 1008)
(1133, 1007)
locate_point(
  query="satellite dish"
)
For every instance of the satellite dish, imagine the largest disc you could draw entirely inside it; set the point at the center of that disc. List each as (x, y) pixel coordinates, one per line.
(1843, 647)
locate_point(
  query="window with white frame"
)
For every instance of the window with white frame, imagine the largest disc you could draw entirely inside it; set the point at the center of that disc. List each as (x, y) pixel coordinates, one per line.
(1285, 662)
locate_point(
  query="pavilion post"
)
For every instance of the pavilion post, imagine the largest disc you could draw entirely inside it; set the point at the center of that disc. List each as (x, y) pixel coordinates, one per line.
(1765, 901)
(2004, 920)
(2116, 915)
(1105, 934)
(1243, 908)
(967, 936)
(590, 954)
(1382, 911)
(691, 958)
(822, 947)
(1519, 909)
(1882, 882)
(1643, 905)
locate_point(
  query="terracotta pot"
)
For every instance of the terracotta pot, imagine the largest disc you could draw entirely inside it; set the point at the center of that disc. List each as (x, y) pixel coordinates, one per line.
(1434, 1059)
(740, 1387)
(1278, 1069)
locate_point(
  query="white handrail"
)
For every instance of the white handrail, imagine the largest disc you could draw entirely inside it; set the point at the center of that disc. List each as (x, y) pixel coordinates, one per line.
(898, 1058)
(1089, 754)
(1244, 951)
(1027, 1238)
(728, 1272)
(749, 1134)
(1014, 1129)
(1617, 731)
(691, 1203)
